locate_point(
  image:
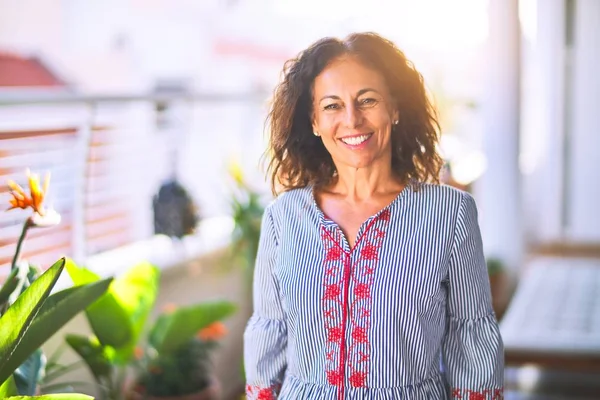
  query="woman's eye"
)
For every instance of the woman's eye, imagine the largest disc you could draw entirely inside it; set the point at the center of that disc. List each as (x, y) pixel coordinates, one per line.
(331, 107)
(368, 102)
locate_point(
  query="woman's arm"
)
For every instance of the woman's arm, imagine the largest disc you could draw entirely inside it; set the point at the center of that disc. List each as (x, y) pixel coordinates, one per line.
(473, 352)
(265, 338)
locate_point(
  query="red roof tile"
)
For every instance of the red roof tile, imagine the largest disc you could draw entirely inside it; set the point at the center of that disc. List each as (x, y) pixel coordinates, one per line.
(19, 71)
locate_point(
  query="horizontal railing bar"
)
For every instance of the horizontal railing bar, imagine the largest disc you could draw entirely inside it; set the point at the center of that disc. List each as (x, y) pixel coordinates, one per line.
(10, 97)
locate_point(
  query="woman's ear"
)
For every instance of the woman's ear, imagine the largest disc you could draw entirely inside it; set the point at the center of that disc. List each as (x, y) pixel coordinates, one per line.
(313, 122)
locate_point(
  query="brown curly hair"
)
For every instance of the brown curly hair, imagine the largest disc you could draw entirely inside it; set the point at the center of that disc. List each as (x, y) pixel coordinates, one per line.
(298, 158)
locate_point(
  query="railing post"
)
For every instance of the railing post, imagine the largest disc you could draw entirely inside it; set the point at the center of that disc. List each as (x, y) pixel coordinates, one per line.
(82, 152)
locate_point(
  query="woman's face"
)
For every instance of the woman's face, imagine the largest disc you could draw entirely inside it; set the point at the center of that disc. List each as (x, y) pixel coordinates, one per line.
(353, 114)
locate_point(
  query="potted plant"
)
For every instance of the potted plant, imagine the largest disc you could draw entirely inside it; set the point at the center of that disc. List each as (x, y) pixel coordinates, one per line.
(498, 284)
(29, 314)
(119, 321)
(176, 362)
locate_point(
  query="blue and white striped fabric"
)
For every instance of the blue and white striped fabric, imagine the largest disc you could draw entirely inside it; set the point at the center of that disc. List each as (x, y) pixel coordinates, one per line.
(405, 314)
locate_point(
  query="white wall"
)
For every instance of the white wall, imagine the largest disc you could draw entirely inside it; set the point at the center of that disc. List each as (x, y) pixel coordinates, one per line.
(583, 218)
(542, 118)
(559, 122)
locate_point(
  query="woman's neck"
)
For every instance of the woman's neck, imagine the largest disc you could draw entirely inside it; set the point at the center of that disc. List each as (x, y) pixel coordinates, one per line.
(362, 184)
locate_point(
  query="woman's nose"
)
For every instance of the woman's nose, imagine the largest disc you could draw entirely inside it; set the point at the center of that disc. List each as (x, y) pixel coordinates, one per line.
(352, 117)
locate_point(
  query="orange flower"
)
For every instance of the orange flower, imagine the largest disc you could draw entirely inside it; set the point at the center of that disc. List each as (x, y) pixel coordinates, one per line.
(138, 353)
(212, 332)
(169, 308)
(35, 200)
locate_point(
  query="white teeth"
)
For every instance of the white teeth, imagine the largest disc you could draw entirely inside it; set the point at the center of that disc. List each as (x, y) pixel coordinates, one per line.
(356, 140)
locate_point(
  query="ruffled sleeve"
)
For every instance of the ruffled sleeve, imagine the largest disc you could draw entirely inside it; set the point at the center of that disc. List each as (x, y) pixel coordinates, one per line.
(265, 337)
(473, 352)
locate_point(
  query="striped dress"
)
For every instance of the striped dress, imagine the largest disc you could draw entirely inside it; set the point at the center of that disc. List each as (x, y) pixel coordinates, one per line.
(404, 314)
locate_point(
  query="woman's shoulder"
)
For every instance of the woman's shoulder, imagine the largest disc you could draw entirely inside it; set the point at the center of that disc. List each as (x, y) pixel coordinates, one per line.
(291, 200)
(441, 195)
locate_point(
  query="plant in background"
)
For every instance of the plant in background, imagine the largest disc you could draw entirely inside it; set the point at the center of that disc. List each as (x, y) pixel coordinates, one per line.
(29, 315)
(495, 266)
(176, 360)
(498, 284)
(117, 321)
(247, 208)
(172, 355)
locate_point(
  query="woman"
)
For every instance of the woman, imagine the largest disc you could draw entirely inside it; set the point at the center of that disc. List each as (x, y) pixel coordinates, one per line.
(370, 282)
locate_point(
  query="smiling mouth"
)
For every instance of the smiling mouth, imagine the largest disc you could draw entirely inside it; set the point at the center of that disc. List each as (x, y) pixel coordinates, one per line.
(356, 140)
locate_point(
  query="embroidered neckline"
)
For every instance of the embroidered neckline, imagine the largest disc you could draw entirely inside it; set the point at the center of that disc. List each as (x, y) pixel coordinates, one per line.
(328, 222)
(339, 312)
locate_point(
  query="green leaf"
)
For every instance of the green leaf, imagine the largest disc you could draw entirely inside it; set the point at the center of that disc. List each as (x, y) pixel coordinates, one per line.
(172, 330)
(107, 318)
(79, 275)
(29, 373)
(11, 283)
(8, 388)
(97, 357)
(57, 310)
(19, 316)
(67, 396)
(57, 370)
(118, 318)
(136, 293)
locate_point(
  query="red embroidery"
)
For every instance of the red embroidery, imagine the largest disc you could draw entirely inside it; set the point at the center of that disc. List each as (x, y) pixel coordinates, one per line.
(254, 392)
(340, 273)
(334, 253)
(332, 292)
(358, 379)
(332, 304)
(360, 335)
(329, 356)
(334, 334)
(385, 215)
(476, 395)
(362, 291)
(334, 378)
(458, 393)
(369, 252)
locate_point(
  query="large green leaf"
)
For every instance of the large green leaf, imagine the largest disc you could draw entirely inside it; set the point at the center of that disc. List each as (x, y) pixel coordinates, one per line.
(174, 329)
(57, 310)
(107, 318)
(19, 316)
(67, 396)
(136, 293)
(29, 373)
(8, 388)
(97, 357)
(79, 275)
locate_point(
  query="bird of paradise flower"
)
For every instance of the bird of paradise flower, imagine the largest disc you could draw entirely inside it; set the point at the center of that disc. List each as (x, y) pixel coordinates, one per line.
(34, 200)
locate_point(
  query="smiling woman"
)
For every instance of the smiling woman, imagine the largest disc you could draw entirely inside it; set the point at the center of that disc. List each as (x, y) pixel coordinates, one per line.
(368, 272)
(362, 77)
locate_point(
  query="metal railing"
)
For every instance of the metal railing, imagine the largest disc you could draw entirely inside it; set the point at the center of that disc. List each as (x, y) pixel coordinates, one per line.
(84, 129)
